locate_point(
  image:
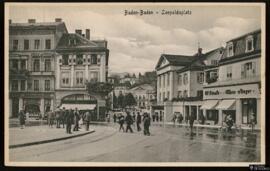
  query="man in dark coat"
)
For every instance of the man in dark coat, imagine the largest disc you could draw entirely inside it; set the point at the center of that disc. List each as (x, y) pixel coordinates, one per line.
(57, 117)
(121, 122)
(114, 117)
(21, 117)
(69, 120)
(129, 122)
(138, 121)
(76, 120)
(87, 117)
(146, 124)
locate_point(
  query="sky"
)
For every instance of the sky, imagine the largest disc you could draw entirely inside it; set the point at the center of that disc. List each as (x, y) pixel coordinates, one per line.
(137, 41)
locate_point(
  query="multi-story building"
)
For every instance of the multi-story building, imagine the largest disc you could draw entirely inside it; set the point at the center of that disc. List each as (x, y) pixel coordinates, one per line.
(121, 88)
(237, 90)
(143, 95)
(31, 70)
(80, 60)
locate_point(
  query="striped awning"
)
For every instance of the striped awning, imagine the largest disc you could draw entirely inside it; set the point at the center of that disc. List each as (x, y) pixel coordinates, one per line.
(78, 106)
(209, 104)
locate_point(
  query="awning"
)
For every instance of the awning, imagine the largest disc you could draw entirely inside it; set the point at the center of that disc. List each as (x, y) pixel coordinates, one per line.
(78, 106)
(209, 104)
(226, 105)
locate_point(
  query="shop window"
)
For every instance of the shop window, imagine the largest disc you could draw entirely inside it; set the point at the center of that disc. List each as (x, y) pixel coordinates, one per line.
(26, 44)
(36, 85)
(14, 85)
(79, 59)
(47, 105)
(22, 85)
(230, 49)
(15, 44)
(36, 65)
(48, 43)
(65, 59)
(47, 85)
(37, 44)
(249, 44)
(229, 72)
(47, 65)
(249, 107)
(212, 115)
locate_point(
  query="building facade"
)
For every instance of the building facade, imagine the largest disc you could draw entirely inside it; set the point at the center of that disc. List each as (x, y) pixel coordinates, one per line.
(238, 89)
(32, 65)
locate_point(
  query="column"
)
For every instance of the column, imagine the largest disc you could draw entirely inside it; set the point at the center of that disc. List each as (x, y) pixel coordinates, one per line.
(20, 104)
(86, 71)
(72, 76)
(10, 107)
(189, 111)
(52, 104)
(41, 107)
(220, 117)
(238, 112)
(171, 74)
(198, 113)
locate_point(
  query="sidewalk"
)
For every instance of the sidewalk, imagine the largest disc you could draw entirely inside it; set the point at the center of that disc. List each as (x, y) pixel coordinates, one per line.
(40, 134)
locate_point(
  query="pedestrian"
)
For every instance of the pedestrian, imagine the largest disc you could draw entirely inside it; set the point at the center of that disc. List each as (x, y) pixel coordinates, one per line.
(114, 117)
(121, 122)
(69, 119)
(76, 120)
(252, 121)
(87, 117)
(129, 122)
(57, 117)
(50, 118)
(64, 114)
(191, 121)
(160, 118)
(21, 117)
(174, 119)
(138, 121)
(229, 123)
(146, 124)
(157, 117)
(181, 118)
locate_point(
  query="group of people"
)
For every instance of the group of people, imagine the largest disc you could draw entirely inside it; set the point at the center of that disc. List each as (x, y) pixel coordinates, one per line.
(129, 120)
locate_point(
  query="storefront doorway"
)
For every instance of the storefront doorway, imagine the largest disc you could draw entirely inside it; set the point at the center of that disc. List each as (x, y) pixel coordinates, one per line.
(15, 107)
(249, 107)
(212, 116)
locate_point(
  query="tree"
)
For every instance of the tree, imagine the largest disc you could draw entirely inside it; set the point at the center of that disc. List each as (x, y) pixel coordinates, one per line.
(129, 100)
(99, 89)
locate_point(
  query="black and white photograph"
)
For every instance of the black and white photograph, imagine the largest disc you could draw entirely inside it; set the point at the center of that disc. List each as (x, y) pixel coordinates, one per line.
(134, 84)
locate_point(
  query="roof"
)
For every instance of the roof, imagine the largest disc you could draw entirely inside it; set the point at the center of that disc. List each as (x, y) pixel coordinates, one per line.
(176, 60)
(144, 87)
(39, 25)
(66, 42)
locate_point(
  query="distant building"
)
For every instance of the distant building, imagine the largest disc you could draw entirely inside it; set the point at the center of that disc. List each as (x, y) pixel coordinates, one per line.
(129, 79)
(32, 65)
(121, 88)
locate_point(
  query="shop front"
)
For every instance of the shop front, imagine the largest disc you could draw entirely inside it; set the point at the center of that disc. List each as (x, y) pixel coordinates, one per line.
(211, 114)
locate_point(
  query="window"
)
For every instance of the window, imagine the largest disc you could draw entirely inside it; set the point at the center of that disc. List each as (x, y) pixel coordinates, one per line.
(15, 45)
(26, 44)
(179, 94)
(180, 80)
(36, 65)
(200, 93)
(48, 43)
(94, 59)
(37, 44)
(23, 64)
(79, 78)
(22, 85)
(47, 65)
(248, 69)
(94, 76)
(168, 79)
(185, 79)
(168, 95)
(47, 85)
(15, 64)
(249, 107)
(200, 77)
(229, 72)
(230, 49)
(29, 85)
(249, 44)
(185, 93)
(14, 85)
(214, 62)
(79, 59)
(36, 85)
(65, 59)
(65, 78)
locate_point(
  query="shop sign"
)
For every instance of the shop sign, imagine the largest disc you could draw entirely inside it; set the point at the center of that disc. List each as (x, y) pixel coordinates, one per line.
(243, 91)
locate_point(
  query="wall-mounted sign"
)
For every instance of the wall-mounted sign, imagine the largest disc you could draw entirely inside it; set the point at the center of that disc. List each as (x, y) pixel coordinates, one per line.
(241, 91)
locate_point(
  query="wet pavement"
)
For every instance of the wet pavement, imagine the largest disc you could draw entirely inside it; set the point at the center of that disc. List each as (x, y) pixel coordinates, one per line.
(166, 144)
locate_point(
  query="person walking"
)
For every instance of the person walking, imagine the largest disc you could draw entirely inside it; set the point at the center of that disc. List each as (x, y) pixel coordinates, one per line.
(87, 117)
(69, 119)
(76, 120)
(191, 121)
(64, 114)
(57, 117)
(51, 118)
(21, 117)
(114, 117)
(129, 122)
(138, 121)
(121, 122)
(146, 124)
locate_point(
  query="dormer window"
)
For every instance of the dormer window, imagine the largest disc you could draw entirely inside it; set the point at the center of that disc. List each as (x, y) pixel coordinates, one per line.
(249, 44)
(230, 49)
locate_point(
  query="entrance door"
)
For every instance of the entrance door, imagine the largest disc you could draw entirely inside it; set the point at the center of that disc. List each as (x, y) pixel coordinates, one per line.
(15, 107)
(186, 113)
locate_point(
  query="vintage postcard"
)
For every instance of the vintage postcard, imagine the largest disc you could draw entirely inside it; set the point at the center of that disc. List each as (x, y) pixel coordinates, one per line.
(134, 84)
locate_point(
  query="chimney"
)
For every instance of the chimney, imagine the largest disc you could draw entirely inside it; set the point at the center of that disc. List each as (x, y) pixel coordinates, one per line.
(31, 20)
(199, 51)
(9, 21)
(87, 34)
(78, 31)
(58, 20)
